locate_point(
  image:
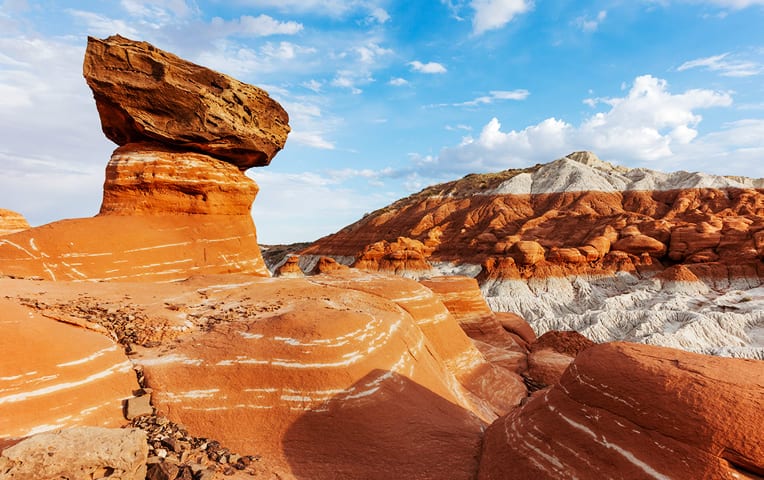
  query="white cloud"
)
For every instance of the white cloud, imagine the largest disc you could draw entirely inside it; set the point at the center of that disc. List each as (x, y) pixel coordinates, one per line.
(429, 67)
(102, 26)
(520, 94)
(330, 8)
(378, 15)
(648, 125)
(260, 26)
(398, 82)
(733, 4)
(313, 84)
(725, 64)
(589, 25)
(494, 14)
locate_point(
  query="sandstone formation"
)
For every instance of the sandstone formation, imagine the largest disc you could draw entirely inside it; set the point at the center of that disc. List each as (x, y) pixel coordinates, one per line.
(290, 268)
(54, 375)
(11, 222)
(144, 94)
(551, 354)
(81, 453)
(636, 411)
(401, 256)
(576, 244)
(176, 202)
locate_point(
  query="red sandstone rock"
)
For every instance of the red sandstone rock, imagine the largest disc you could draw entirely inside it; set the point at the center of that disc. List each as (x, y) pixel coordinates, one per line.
(144, 94)
(54, 375)
(515, 324)
(636, 411)
(573, 211)
(146, 179)
(327, 265)
(11, 222)
(551, 354)
(291, 267)
(403, 255)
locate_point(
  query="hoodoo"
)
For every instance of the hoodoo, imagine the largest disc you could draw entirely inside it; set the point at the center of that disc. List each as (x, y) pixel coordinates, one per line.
(176, 183)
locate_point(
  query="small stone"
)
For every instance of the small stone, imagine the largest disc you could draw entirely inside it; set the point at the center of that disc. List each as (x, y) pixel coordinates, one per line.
(138, 406)
(162, 471)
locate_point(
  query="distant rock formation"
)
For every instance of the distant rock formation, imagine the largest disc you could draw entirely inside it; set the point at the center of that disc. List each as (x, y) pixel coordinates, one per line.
(636, 411)
(11, 222)
(176, 201)
(576, 244)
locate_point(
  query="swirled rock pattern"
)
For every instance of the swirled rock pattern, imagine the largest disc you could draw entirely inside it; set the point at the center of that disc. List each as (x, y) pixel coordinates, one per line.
(636, 411)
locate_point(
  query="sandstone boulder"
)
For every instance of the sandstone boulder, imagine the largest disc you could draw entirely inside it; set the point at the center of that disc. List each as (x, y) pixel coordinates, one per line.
(636, 411)
(144, 94)
(11, 222)
(527, 252)
(639, 244)
(402, 256)
(290, 267)
(79, 453)
(551, 354)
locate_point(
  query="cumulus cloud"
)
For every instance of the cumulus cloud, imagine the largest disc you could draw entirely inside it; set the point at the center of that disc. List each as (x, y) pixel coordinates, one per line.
(647, 126)
(494, 14)
(398, 82)
(725, 64)
(429, 67)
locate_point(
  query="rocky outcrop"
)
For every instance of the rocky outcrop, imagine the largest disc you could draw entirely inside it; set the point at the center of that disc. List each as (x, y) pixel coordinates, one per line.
(551, 354)
(290, 267)
(11, 222)
(402, 256)
(144, 94)
(636, 411)
(80, 453)
(56, 375)
(176, 184)
(576, 244)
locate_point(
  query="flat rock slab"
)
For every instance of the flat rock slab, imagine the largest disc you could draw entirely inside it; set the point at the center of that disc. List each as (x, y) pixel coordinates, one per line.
(144, 94)
(80, 453)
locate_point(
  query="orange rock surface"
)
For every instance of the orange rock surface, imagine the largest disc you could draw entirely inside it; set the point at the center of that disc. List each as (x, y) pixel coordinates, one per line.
(144, 94)
(54, 375)
(11, 222)
(636, 411)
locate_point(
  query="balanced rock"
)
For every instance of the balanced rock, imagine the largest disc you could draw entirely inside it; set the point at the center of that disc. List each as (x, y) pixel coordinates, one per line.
(11, 222)
(636, 411)
(144, 94)
(79, 453)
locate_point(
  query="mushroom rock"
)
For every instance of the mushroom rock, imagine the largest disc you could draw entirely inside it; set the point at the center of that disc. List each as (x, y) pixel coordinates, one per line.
(636, 411)
(327, 265)
(314, 374)
(144, 94)
(176, 183)
(11, 222)
(551, 354)
(55, 375)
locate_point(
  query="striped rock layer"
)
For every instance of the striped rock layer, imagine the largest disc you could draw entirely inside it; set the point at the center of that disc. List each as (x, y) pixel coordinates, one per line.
(575, 215)
(165, 216)
(11, 222)
(636, 411)
(318, 373)
(54, 375)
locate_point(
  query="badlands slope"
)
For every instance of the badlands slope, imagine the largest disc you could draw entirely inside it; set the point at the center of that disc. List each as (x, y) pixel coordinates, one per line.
(617, 254)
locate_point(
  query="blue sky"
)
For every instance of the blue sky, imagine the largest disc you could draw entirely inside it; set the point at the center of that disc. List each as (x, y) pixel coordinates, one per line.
(386, 97)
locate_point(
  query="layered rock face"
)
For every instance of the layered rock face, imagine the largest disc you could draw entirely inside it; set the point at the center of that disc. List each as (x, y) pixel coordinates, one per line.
(636, 411)
(575, 244)
(176, 201)
(144, 94)
(54, 375)
(11, 222)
